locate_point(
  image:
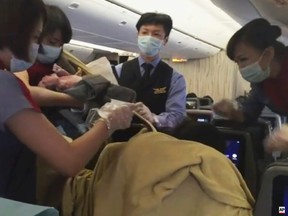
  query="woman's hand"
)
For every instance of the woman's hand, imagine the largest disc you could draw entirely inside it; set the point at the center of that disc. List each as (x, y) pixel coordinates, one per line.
(278, 141)
(224, 108)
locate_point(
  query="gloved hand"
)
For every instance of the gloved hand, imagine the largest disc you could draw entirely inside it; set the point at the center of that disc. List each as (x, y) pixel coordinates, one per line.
(116, 116)
(278, 141)
(144, 111)
(224, 108)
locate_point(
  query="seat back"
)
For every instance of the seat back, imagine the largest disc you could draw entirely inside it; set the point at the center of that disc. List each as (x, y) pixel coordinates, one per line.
(239, 149)
(11, 207)
(258, 131)
(273, 118)
(192, 103)
(255, 158)
(198, 103)
(201, 116)
(205, 101)
(273, 196)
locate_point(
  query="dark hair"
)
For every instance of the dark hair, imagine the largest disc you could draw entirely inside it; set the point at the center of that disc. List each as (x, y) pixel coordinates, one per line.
(258, 33)
(191, 95)
(156, 19)
(57, 20)
(209, 97)
(18, 20)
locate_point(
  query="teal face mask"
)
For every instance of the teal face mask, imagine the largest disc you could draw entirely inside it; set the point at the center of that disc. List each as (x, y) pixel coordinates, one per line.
(254, 73)
(149, 45)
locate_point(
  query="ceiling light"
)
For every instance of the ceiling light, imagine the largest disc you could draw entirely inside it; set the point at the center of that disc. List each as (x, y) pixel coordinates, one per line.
(104, 48)
(179, 60)
(122, 23)
(74, 5)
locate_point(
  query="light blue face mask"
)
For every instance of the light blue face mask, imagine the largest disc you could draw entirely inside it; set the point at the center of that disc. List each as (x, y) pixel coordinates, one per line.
(49, 54)
(254, 73)
(17, 65)
(149, 45)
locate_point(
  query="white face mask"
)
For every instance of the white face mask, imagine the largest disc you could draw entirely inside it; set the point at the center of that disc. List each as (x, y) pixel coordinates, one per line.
(49, 54)
(17, 65)
(149, 45)
(254, 73)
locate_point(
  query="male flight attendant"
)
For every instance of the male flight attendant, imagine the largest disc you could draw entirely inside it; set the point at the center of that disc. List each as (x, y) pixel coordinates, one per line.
(161, 91)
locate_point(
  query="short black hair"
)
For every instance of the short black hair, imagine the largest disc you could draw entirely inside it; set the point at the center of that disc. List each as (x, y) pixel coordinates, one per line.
(156, 19)
(57, 20)
(258, 33)
(191, 95)
(209, 97)
(18, 18)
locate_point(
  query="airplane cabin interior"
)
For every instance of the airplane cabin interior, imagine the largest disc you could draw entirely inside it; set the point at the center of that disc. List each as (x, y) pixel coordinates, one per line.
(197, 49)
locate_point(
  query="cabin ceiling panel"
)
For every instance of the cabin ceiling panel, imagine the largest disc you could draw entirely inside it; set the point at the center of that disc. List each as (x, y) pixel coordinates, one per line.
(201, 27)
(99, 22)
(275, 13)
(197, 18)
(244, 11)
(98, 39)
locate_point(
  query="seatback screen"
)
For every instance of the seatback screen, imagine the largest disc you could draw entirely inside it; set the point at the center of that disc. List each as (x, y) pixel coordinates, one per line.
(234, 150)
(203, 119)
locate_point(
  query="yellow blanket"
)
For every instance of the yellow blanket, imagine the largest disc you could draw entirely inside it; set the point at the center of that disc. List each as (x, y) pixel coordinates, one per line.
(157, 175)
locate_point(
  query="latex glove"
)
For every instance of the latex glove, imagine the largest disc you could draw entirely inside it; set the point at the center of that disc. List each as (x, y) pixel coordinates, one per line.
(224, 108)
(116, 116)
(66, 82)
(144, 111)
(278, 141)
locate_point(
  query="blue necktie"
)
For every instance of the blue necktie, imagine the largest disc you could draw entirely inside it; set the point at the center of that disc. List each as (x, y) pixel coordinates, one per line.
(147, 68)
